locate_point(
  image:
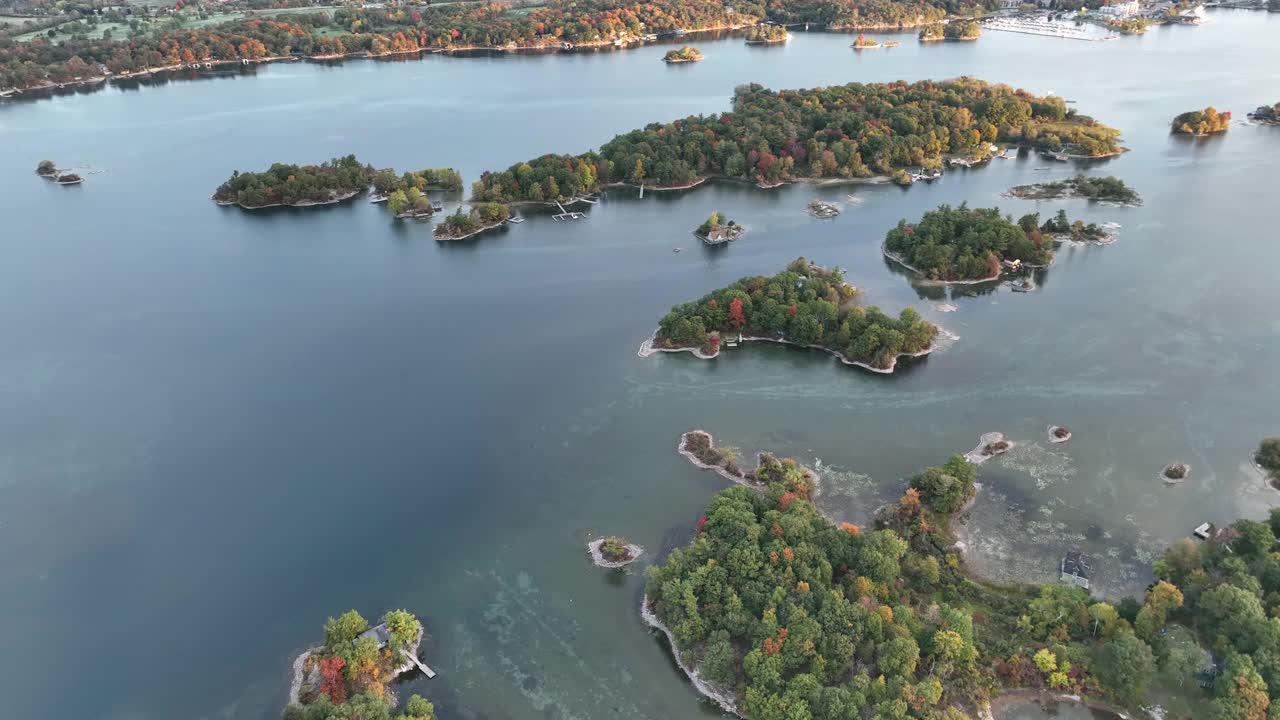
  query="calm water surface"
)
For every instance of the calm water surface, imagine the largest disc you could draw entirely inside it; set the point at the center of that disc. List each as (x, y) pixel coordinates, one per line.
(218, 428)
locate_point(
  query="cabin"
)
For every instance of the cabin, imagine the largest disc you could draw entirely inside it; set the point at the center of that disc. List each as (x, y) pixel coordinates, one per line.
(1075, 569)
(379, 633)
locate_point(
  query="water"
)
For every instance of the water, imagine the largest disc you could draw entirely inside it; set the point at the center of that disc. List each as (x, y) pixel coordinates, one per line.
(219, 428)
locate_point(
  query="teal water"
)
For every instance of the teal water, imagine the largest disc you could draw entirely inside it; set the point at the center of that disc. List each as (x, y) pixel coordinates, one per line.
(218, 428)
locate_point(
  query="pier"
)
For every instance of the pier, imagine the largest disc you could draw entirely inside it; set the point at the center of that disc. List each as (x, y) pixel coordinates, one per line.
(418, 664)
(1040, 27)
(566, 215)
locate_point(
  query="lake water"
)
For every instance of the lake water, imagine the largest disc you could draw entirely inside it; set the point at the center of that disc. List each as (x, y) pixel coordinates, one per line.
(218, 428)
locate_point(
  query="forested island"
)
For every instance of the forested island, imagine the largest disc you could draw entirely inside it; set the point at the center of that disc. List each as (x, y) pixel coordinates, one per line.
(187, 38)
(1202, 122)
(1268, 458)
(766, 34)
(777, 612)
(718, 229)
(296, 185)
(1269, 114)
(483, 216)
(386, 181)
(805, 305)
(964, 244)
(347, 677)
(1103, 189)
(840, 132)
(862, 42)
(46, 169)
(957, 30)
(685, 54)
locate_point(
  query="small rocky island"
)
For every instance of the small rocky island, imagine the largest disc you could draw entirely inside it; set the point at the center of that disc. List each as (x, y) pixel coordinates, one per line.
(1062, 229)
(862, 42)
(767, 34)
(805, 305)
(717, 230)
(46, 169)
(613, 552)
(967, 245)
(989, 445)
(296, 185)
(355, 666)
(1059, 433)
(820, 209)
(1104, 189)
(1199, 123)
(685, 54)
(1175, 472)
(1267, 114)
(483, 216)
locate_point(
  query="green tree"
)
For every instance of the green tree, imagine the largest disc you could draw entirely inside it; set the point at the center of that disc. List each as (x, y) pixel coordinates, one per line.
(402, 626)
(343, 630)
(1126, 666)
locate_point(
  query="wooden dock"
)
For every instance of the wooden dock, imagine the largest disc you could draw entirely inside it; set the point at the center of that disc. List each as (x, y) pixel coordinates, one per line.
(566, 215)
(419, 664)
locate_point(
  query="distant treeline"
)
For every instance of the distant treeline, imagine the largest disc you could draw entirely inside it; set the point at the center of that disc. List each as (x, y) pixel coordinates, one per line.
(843, 131)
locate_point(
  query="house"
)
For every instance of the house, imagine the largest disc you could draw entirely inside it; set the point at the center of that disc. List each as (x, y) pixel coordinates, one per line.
(1075, 569)
(1010, 4)
(379, 633)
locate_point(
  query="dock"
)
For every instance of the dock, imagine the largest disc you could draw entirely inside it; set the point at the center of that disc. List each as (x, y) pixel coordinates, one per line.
(1043, 28)
(418, 664)
(566, 215)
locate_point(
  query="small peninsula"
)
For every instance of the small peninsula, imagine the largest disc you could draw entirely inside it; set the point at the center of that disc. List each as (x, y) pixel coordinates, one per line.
(685, 54)
(967, 245)
(805, 305)
(348, 676)
(843, 133)
(296, 185)
(1103, 189)
(483, 216)
(1268, 458)
(717, 230)
(613, 552)
(1199, 123)
(955, 30)
(766, 34)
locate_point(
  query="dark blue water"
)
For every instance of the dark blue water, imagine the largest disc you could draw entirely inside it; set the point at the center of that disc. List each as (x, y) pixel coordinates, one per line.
(218, 428)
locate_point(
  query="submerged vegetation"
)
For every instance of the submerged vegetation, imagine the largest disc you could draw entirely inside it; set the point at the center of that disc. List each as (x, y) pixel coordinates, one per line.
(282, 184)
(1108, 189)
(844, 131)
(965, 244)
(1202, 122)
(803, 305)
(785, 614)
(683, 55)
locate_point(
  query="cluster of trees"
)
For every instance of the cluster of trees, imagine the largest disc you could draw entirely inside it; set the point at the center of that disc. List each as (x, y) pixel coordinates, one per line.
(1129, 26)
(365, 706)
(766, 34)
(714, 221)
(353, 669)
(1230, 591)
(1268, 458)
(482, 215)
(295, 184)
(386, 181)
(862, 14)
(1202, 122)
(614, 549)
(684, 54)
(805, 304)
(1060, 224)
(956, 30)
(1109, 188)
(1267, 113)
(964, 243)
(843, 131)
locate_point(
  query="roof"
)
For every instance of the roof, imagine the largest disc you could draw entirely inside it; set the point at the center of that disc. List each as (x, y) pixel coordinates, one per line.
(379, 633)
(1073, 563)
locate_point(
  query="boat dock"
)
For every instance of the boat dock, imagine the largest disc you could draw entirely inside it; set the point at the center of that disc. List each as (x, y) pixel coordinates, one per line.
(566, 215)
(1039, 27)
(418, 664)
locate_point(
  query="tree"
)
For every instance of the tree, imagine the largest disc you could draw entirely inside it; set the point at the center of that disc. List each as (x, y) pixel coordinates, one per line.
(1256, 539)
(343, 630)
(1126, 666)
(1105, 618)
(898, 656)
(333, 683)
(402, 626)
(1242, 695)
(736, 319)
(417, 708)
(46, 167)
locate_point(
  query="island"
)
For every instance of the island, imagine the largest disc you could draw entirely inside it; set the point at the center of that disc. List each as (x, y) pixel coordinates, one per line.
(851, 133)
(805, 305)
(954, 30)
(1199, 123)
(1104, 189)
(1267, 114)
(46, 169)
(862, 42)
(967, 245)
(1058, 433)
(1175, 472)
(410, 204)
(766, 34)
(820, 209)
(776, 610)
(1268, 458)
(989, 445)
(386, 181)
(1061, 229)
(718, 229)
(483, 216)
(613, 552)
(348, 676)
(296, 186)
(69, 179)
(685, 54)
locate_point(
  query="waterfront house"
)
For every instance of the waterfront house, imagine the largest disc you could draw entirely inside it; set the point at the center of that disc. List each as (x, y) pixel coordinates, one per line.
(379, 633)
(1075, 569)
(1122, 10)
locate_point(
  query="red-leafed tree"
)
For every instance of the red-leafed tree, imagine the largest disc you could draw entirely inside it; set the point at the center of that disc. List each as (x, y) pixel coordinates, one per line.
(736, 318)
(333, 683)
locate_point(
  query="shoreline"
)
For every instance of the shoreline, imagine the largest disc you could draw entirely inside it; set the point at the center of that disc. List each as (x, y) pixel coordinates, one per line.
(299, 675)
(928, 281)
(1006, 701)
(1014, 194)
(477, 231)
(597, 557)
(704, 688)
(647, 349)
(343, 197)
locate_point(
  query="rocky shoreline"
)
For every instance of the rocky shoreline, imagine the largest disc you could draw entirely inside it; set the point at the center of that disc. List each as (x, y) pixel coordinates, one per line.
(647, 349)
(338, 198)
(921, 279)
(597, 556)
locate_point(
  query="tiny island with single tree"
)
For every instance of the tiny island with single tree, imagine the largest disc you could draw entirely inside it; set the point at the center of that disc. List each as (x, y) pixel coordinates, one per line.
(1103, 189)
(1199, 123)
(685, 54)
(483, 216)
(46, 169)
(296, 185)
(613, 552)
(955, 30)
(805, 305)
(348, 677)
(717, 229)
(766, 34)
